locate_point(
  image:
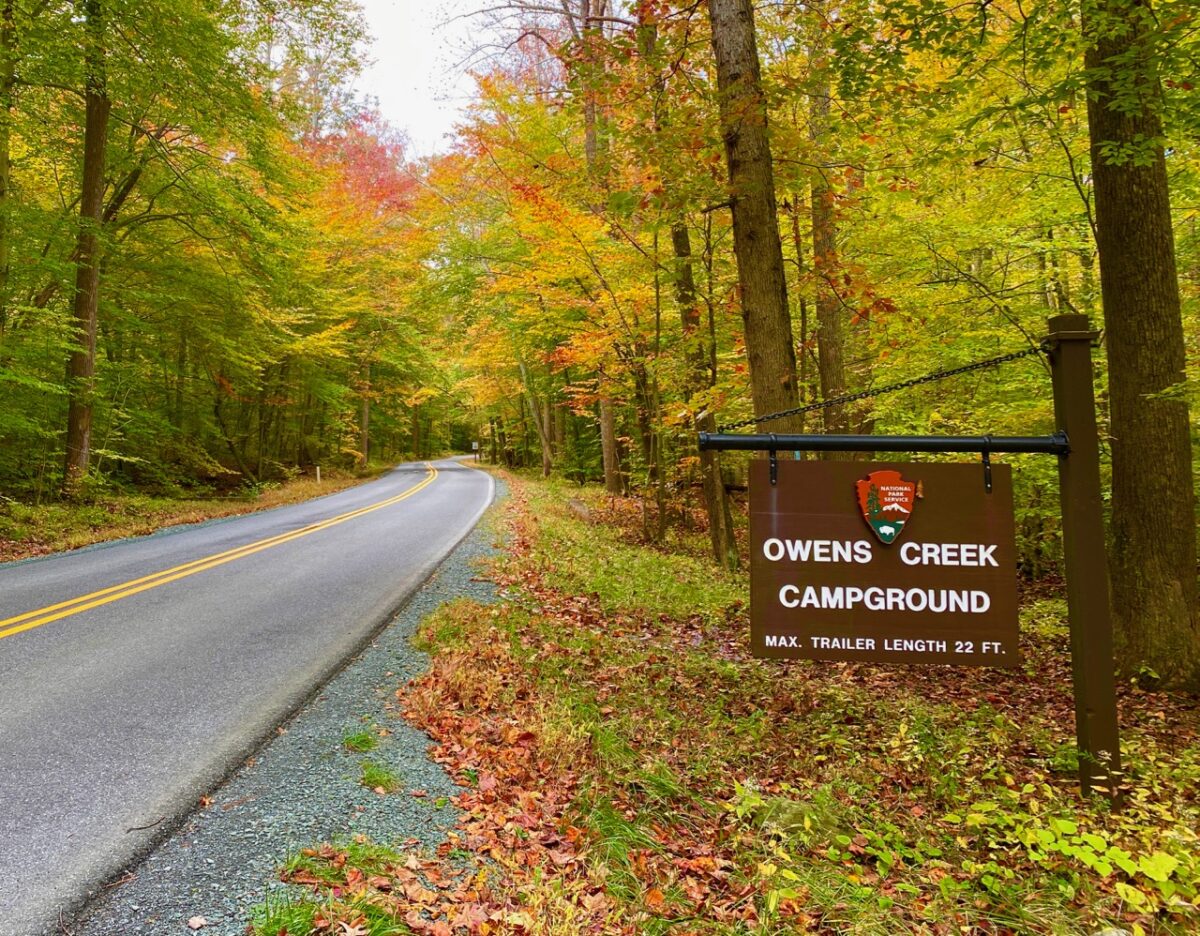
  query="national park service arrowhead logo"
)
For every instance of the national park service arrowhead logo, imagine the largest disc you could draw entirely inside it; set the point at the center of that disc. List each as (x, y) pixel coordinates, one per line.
(886, 501)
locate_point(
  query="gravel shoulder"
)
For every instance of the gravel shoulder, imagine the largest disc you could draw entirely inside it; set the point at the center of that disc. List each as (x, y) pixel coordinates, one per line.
(302, 787)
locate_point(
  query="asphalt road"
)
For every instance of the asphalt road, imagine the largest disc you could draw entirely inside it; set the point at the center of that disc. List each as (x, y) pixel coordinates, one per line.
(135, 675)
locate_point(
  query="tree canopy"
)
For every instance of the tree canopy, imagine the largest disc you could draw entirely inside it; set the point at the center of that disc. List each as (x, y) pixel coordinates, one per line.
(273, 284)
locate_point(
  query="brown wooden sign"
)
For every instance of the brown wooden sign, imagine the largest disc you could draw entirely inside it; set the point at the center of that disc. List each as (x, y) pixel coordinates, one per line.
(886, 563)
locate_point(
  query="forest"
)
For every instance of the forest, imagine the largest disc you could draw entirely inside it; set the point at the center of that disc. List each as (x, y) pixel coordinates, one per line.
(218, 267)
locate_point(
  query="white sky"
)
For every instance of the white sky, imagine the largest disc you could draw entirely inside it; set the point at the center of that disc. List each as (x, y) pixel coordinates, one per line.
(417, 71)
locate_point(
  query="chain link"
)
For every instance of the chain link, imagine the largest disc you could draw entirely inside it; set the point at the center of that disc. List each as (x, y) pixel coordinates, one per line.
(891, 388)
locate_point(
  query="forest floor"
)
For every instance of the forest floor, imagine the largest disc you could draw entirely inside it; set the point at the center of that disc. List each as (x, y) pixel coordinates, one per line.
(28, 530)
(626, 767)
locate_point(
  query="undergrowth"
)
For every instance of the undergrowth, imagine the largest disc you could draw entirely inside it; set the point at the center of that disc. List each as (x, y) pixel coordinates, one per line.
(28, 530)
(628, 768)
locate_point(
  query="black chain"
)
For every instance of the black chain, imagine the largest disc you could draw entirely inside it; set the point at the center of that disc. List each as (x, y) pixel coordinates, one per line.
(879, 391)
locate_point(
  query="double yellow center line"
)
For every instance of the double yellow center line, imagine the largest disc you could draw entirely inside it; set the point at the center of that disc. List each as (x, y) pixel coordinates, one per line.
(56, 612)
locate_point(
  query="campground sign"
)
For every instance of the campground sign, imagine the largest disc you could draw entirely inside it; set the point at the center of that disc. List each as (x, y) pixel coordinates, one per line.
(885, 563)
(916, 562)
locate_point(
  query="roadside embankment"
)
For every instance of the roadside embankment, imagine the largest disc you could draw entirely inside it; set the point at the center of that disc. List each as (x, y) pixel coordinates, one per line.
(626, 767)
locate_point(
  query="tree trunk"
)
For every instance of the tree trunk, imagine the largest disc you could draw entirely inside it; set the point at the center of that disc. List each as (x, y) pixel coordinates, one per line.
(81, 367)
(416, 431)
(608, 447)
(798, 245)
(560, 429)
(539, 425)
(831, 338)
(364, 421)
(8, 83)
(506, 453)
(768, 323)
(1153, 559)
(541, 422)
(548, 427)
(716, 502)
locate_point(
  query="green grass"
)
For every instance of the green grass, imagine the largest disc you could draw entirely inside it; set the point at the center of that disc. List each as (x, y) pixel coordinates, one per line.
(376, 776)
(299, 916)
(584, 558)
(361, 742)
(323, 872)
(367, 856)
(285, 914)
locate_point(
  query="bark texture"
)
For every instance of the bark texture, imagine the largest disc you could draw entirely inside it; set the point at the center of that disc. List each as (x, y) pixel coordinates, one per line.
(81, 366)
(768, 324)
(1153, 557)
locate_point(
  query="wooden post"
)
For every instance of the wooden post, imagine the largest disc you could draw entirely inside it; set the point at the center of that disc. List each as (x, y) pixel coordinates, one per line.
(1069, 344)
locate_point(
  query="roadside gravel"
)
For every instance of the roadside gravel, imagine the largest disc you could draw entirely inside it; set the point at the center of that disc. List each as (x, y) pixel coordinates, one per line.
(303, 787)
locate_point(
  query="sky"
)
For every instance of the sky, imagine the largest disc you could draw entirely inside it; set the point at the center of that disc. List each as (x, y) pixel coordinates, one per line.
(417, 71)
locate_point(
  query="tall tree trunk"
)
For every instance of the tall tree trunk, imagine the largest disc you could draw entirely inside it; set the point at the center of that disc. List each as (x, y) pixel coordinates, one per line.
(364, 420)
(1153, 564)
(536, 411)
(181, 363)
(591, 148)
(716, 502)
(560, 429)
(831, 337)
(505, 452)
(81, 367)
(541, 423)
(8, 84)
(798, 245)
(768, 322)
(608, 447)
(548, 426)
(416, 431)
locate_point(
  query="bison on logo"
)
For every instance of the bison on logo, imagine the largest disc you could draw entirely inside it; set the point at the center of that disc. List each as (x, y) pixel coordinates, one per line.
(886, 501)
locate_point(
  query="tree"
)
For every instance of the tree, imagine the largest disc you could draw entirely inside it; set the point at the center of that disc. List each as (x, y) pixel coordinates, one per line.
(765, 312)
(1153, 556)
(81, 367)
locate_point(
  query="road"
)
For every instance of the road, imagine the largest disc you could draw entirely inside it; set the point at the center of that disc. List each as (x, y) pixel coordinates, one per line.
(135, 675)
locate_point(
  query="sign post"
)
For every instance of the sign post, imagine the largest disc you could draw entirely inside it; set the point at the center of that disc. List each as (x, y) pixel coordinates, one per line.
(1070, 342)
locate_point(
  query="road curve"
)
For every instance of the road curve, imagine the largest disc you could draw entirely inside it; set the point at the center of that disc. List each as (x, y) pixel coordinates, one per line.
(135, 675)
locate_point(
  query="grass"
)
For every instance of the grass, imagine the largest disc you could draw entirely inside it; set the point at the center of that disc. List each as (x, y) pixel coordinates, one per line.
(290, 915)
(361, 742)
(28, 530)
(664, 781)
(376, 776)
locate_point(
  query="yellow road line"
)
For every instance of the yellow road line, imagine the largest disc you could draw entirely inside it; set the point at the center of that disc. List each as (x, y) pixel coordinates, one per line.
(56, 612)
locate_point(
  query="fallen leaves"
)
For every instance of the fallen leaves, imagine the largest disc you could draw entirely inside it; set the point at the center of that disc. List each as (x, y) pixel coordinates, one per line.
(583, 743)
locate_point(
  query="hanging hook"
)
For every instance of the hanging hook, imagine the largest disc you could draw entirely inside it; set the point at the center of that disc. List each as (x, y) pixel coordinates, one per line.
(987, 463)
(774, 462)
